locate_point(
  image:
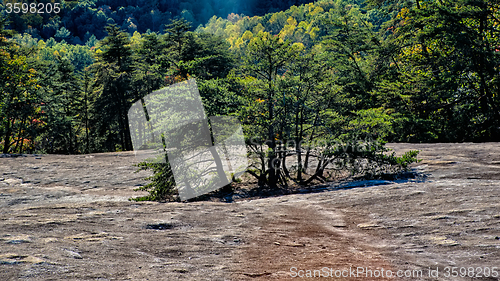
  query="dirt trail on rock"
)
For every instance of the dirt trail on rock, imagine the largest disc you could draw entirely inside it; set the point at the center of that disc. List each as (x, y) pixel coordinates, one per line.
(304, 238)
(68, 217)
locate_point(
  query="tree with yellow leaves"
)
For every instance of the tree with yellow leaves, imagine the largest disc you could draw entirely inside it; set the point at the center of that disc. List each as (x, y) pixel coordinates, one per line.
(19, 103)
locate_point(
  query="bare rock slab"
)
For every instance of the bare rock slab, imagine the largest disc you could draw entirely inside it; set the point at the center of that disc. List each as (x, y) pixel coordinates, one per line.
(68, 217)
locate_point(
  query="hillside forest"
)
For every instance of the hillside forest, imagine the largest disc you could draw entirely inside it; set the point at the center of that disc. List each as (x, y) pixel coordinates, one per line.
(334, 70)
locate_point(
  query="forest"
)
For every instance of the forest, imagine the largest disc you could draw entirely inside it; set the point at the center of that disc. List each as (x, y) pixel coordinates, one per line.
(333, 70)
(77, 21)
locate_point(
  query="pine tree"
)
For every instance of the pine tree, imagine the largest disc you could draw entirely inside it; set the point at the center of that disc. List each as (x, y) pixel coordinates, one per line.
(266, 57)
(177, 35)
(112, 71)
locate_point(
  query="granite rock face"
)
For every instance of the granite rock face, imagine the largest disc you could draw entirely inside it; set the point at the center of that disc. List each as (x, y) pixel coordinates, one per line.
(68, 217)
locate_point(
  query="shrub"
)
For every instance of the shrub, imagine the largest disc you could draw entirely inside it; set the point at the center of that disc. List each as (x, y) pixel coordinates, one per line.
(162, 185)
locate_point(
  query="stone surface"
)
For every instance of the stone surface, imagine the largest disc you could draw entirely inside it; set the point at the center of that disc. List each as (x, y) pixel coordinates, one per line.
(68, 217)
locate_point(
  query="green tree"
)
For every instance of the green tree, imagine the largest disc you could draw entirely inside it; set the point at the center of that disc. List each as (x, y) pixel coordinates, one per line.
(19, 102)
(62, 34)
(265, 59)
(150, 65)
(113, 94)
(207, 56)
(177, 35)
(67, 103)
(306, 88)
(446, 69)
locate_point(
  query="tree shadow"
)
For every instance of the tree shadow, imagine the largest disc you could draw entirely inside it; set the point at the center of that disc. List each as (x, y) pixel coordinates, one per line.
(230, 194)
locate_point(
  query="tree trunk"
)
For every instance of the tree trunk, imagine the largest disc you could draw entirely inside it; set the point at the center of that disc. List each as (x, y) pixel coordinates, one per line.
(6, 141)
(86, 121)
(297, 145)
(272, 171)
